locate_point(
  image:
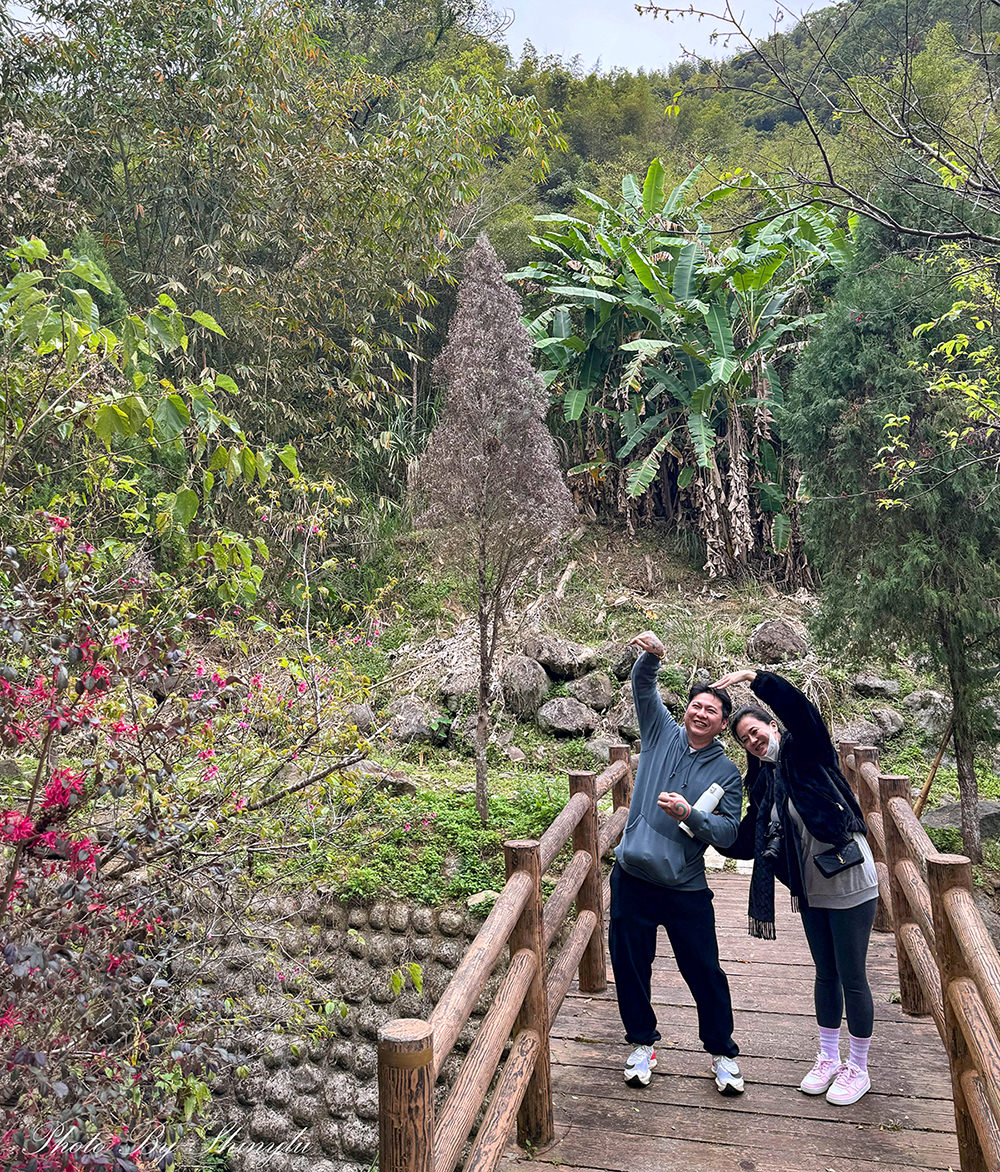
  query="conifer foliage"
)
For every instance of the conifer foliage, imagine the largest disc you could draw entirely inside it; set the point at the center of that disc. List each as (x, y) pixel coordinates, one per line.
(488, 485)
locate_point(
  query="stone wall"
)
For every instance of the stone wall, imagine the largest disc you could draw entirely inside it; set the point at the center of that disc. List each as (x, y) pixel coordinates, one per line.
(291, 1102)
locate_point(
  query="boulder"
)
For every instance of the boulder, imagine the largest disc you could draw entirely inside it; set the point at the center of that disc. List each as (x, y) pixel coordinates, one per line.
(413, 719)
(775, 641)
(861, 732)
(10, 770)
(461, 682)
(463, 733)
(889, 721)
(565, 717)
(949, 817)
(623, 660)
(561, 658)
(929, 711)
(600, 746)
(866, 684)
(594, 689)
(362, 717)
(524, 685)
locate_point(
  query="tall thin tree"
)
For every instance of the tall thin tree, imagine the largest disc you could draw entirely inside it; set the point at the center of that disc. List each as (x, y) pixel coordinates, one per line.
(488, 485)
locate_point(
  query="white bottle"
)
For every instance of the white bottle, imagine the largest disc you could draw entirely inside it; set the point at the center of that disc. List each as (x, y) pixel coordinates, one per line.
(706, 803)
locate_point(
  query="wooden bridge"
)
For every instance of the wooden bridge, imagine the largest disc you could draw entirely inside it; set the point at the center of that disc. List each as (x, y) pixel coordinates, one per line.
(935, 1061)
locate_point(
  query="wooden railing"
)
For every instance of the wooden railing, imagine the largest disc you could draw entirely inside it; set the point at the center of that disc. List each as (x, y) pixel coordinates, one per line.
(411, 1052)
(948, 965)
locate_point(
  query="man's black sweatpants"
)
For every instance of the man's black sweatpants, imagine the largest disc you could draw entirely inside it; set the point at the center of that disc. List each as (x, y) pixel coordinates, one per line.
(638, 908)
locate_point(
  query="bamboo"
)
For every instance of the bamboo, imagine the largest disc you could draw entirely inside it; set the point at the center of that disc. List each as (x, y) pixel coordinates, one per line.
(593, 963)
(925, 789)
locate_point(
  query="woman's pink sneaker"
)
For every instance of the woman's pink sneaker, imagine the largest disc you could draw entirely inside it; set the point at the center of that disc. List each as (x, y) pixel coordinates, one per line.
(850, 1084)
(818, 1080)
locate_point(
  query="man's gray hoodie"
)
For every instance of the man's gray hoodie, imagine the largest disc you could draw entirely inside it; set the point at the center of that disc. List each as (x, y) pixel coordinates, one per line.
(653, 846)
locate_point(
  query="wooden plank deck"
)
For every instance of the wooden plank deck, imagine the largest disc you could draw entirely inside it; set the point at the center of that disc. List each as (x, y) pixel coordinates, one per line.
(680, 1121)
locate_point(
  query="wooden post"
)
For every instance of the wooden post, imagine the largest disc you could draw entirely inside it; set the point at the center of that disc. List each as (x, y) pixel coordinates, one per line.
(869, 803)
(911, 994)
(586, 834)
(622, 790)
(406, 1096)
(945, 872)
(844, 750)
(535, 1123)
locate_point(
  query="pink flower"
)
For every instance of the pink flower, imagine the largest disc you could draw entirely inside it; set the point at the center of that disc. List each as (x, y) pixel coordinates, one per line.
(62, 783)
(58, 522)
(15, 827)
(210, 773)
(10, 1019)
(121, 641)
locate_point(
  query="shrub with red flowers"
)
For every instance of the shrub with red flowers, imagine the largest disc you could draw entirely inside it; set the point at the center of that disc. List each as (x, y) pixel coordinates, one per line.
(154, 781)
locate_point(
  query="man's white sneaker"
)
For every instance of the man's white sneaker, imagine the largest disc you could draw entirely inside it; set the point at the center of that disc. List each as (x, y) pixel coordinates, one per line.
(727, 1075)
(818, 1080)
(638, 1066)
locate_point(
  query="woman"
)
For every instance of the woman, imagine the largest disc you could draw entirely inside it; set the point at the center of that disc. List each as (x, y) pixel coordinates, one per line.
(801, 809)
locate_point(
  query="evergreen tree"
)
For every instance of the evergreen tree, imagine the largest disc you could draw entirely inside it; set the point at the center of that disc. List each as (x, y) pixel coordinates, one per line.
(923, 573)
(489, 483)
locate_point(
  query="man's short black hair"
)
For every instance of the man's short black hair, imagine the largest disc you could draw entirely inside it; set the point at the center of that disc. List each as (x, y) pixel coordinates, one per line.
(719, 693)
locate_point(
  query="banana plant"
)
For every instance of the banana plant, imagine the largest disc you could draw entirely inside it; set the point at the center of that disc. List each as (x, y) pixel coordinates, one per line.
(668, 340)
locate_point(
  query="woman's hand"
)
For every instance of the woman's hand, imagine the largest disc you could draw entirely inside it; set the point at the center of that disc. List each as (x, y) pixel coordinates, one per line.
(647, 641)
(673, 804)
(745, 676)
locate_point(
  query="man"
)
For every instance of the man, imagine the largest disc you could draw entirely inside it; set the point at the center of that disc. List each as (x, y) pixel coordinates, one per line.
(659, 876)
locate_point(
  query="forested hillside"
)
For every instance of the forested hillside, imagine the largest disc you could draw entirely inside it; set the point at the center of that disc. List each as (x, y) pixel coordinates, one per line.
(758, 302)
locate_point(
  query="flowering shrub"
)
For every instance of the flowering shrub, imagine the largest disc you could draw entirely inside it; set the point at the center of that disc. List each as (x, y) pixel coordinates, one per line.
(153, 779)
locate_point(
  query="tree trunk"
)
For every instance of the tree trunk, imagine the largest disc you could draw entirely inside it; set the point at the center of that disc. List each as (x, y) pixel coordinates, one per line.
(962, 699)
(485, 670)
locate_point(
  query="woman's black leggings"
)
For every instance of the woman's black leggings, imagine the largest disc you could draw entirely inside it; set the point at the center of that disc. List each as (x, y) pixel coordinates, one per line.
(838, 941)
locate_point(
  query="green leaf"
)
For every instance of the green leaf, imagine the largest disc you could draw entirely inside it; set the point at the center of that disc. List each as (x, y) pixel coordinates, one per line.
(721, 330)
(185, 506)
(642, 473)
(646, 428)
(170, 418)
(87, 271)
(227, 384)
(574, 403)
(631, 194)
(684, 477)
(109, 423)
(652, 188)
(676, 197)
(644, 271)
(684, 271)
(781, 531)
(206, 320)
(288, 457)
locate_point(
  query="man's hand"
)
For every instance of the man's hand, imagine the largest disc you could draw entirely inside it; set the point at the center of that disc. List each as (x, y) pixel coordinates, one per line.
(674, 805)
(746, 676)
(647, 641)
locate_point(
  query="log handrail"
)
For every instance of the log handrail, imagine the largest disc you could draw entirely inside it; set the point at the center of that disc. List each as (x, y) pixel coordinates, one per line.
(525, 1004)
(948, 965)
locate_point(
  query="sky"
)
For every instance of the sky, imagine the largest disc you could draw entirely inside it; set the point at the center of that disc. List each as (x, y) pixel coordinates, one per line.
(612, 33)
